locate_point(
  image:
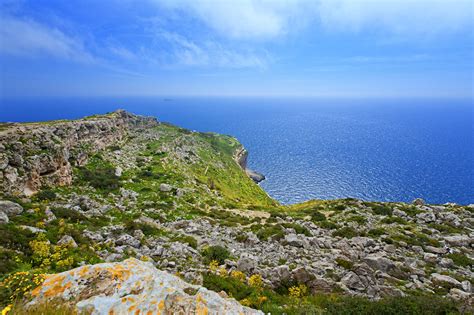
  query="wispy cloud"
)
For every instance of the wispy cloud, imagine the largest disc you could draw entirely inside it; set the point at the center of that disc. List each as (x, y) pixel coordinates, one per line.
(184, 51)
(408, 18)
(28, 38)
(267, 19)
(246, 19)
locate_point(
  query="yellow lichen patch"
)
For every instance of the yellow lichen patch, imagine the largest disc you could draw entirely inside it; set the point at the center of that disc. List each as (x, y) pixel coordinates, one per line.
(54, 286)
(201, 305)
(119, 272)
(161, 305)
(82, 271)
(111, 312)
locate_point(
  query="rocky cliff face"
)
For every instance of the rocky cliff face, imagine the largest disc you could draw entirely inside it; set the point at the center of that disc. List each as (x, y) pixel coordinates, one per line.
(241, 157)
(42, 154)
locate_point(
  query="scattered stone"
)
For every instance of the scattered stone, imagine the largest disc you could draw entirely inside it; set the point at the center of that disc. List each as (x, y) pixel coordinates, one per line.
(165, 187)
(10, 208)
(418, 202)
(67, 240)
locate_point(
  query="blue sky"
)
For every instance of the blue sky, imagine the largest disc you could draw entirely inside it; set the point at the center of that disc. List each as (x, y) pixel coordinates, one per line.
(340, 48)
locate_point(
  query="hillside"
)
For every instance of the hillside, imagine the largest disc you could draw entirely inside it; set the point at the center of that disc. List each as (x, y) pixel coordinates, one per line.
(111, 187)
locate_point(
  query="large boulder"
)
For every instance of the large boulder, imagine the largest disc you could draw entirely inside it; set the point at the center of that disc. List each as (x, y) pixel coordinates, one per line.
(444, 280)
(378, 262)
(10, 208)
(352, 281)
(131, 287)
(458, 240)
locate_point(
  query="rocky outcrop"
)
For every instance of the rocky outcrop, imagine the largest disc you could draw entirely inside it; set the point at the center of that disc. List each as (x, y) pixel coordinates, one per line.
(9, 209)
(42, 154)
(241, 157)
(131, 287)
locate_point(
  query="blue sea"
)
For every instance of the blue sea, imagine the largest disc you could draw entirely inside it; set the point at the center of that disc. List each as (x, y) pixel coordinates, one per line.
(376, 149)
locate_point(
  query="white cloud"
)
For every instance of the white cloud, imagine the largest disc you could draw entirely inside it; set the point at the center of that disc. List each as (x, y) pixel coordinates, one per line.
(263, 19)
(210, 53)
(244, 19)
(27, 38)
(399, 17)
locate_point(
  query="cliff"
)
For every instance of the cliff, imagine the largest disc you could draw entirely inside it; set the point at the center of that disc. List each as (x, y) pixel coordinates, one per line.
(43, 154)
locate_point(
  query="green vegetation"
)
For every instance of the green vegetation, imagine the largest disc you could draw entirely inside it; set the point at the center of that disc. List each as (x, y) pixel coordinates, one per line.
(381, 210)
(347, 232)
(296, 303)
(217, 253)
(264, 233)
(100, 175)
(345, 263)
(460, 259)
(45, 194)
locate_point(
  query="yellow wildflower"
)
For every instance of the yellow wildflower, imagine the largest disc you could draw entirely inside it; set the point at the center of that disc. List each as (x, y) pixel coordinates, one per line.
(255, 281)
(6, 309)
(239, 275)
(213, 265)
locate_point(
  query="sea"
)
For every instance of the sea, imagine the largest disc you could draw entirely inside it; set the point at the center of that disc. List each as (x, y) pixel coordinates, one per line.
(316, 148)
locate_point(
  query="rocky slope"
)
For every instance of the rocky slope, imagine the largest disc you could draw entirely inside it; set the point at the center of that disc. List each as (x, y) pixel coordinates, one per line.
(182, 200)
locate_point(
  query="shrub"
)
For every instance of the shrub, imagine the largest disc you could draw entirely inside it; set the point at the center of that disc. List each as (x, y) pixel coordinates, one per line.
(298, 228)
(346, 264)
(390, 220)
(274, 231)
(16, 285)
(147, 229)
(102, 177)
(191, 241)
(239, 275)
(242, 238)
(413, 304)
(357, 218)
(45, 194)
(15, 238)
(217, 253)
(346, 232)
(298, 291)
(376, 232)
(71, 215)
(232, 286)
(381, 210)
(255, 281)
(327, 225)
(461, 260)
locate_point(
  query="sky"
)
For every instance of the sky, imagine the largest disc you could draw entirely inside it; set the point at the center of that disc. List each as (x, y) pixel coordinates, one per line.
(321, 48)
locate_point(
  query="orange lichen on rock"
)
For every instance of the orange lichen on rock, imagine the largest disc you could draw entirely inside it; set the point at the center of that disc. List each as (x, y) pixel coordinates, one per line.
(132, 287)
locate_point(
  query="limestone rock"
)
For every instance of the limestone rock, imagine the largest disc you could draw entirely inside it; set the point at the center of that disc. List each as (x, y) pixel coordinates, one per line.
(132, 286)
(165, 187)
(67, 240)
(377, 262)
(3, 218)
(443, 280)
(10, 208)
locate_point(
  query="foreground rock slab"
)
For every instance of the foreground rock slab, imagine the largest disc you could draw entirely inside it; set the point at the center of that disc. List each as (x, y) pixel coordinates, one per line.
(132, 287)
